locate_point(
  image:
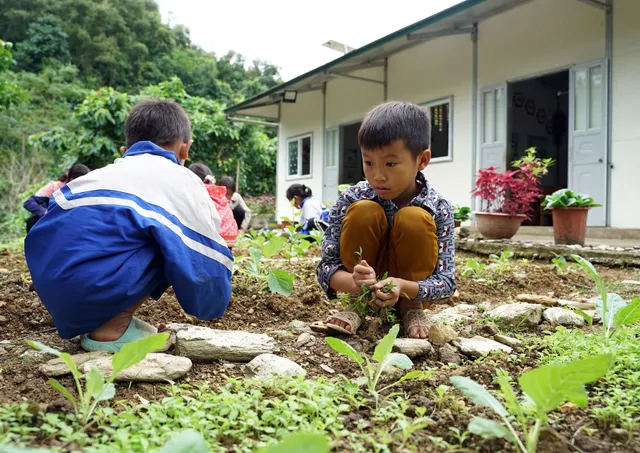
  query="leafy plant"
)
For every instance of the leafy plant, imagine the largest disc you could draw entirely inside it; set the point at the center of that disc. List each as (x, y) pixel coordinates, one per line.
(97, 388)
(474, 268)
(382, 359)
(513, 191)
(277, 280)
(546, 387)
(461, 213)
(613, 310)
(504, 256)
(559, 263)
(567, 198)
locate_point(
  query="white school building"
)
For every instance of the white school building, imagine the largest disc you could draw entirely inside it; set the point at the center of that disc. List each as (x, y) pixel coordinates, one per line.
(497, 76)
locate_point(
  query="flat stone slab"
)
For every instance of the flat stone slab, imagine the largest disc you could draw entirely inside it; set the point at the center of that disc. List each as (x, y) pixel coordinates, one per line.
(267, 365)
(508, 341)
(537, 299)
(204, 344)
(455, 315)
(547, 251)
(563, 317)
(156, 367)
(413, 347)
(517, 315)
(631, 282)
(479, 346)
(576, 304)
(56, 367)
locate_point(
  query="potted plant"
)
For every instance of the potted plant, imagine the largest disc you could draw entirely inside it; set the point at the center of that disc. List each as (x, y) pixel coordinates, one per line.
(506, 198)
(569, 210)
(460, 214)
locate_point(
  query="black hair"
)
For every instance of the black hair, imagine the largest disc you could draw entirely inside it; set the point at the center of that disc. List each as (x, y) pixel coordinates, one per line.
(394, 121)
(160, 121)
(201, 170)
(299, 190)
(74, 172)
(229, 183)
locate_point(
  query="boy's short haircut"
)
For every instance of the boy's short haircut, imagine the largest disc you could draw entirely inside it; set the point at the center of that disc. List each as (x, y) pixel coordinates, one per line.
(394, 121)
(160, 121)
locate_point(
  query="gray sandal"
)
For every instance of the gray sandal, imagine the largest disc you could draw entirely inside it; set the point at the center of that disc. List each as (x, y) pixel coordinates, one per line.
(350, 317)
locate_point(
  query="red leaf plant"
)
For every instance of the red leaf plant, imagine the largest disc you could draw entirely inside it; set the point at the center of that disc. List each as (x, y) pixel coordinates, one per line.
(512, 192)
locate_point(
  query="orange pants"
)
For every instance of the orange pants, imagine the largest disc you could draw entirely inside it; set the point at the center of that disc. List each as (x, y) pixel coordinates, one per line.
(408, 250)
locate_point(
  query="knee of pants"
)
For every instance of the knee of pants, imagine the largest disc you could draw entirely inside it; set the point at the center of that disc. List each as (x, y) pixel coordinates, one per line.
(414, 222)
(364, 212)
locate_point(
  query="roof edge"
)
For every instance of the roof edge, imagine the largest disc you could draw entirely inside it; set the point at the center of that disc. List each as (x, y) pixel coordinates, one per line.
(455, 9)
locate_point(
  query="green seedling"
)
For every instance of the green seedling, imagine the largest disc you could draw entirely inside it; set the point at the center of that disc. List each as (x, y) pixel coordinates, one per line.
(546, 387)
(382, 359)
(611, 308)
(504, 256)
(474, 268)
(559, 263)
(277, 280)
(97, 388)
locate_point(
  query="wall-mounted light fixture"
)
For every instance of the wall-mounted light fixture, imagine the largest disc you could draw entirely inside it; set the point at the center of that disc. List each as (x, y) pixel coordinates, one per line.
(289, 96)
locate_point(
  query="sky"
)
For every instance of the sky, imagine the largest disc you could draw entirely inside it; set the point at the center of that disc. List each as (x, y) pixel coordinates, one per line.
(288, 35)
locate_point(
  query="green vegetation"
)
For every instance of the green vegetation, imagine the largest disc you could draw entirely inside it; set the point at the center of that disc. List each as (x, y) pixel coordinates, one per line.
(71, 69)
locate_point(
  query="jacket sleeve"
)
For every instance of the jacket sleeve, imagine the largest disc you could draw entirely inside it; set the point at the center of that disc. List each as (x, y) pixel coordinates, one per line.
(36, 205)
(197, 264)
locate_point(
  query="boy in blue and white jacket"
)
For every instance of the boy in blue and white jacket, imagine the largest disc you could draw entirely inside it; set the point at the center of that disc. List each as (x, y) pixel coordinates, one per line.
(125, 233)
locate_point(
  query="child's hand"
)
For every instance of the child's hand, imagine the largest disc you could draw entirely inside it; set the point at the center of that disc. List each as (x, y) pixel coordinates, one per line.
(363, 274)
(387, 299)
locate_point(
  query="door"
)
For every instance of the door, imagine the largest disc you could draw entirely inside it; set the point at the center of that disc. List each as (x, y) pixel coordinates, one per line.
(493, 140)
(587, 138)
(331, 165)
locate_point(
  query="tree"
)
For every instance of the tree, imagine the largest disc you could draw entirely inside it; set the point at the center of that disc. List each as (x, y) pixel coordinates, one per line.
(45, 40)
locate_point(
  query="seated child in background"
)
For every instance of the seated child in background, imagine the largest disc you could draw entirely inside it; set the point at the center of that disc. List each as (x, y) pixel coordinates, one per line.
(126, 232)
(218, 194)
(241, 211)
(39, 203)
(314, 215)
(402, 224)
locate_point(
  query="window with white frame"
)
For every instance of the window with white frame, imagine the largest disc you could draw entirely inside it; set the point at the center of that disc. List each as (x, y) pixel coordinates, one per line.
(441, 131)
(299, 156)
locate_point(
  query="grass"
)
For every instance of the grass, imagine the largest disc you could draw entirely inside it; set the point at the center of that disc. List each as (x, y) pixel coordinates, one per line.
(614, 399)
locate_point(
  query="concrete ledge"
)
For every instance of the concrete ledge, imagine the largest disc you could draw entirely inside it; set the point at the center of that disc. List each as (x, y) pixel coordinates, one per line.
(609, 256)
(603, 233)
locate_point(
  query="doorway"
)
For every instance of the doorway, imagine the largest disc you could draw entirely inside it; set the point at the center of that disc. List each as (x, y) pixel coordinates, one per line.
(343, 159)
(538, 116)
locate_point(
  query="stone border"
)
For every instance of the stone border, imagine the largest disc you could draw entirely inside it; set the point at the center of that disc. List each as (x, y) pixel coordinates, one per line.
(606, 256)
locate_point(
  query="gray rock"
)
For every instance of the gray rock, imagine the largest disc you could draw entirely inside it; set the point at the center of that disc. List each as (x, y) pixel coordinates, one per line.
(56, 367)
(305, 338)
(456, 315)
(32, 354)
(480, 346)
(3, 320)
(575, 304)
(537, 299)
(491, 329)
(205, 344)
(517, 315)
(327, 368)
(266, 365)
(3, 351)
(563, 317)
(439, 334)
(509, 341)
(413, 347)
(298, 325)
(156, 367)
(619, 435)
(449, 354)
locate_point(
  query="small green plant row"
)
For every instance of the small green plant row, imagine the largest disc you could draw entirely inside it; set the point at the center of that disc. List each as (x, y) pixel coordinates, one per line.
(477, 269)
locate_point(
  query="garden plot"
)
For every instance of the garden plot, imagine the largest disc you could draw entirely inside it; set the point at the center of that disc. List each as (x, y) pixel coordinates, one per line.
(508, 315)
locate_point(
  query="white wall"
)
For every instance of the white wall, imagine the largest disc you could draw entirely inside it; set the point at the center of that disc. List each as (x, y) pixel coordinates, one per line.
(349, 100)
(625, 184)
(433, 70)
(538, 36)
(303, 117)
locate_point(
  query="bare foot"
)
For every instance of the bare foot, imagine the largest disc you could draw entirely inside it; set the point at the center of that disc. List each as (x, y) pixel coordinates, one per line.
(415, 331)
(336, 322)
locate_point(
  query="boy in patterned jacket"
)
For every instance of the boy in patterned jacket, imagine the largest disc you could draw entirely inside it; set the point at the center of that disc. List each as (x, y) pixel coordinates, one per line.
(398, 222)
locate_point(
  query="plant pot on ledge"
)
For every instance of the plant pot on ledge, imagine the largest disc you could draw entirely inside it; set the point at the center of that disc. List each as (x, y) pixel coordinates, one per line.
(569, 210)
(497, 225)
(569, 225)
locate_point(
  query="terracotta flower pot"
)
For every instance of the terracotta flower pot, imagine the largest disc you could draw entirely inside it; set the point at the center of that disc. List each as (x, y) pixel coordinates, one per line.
(284, 224)
(456, 223)
(570, 225)
(498, 226)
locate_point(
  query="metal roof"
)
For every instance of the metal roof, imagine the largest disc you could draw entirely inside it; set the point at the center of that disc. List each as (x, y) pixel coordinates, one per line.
(455, 20)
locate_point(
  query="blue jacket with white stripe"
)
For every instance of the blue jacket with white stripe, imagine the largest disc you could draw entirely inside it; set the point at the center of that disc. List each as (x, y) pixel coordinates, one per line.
(126, 232)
